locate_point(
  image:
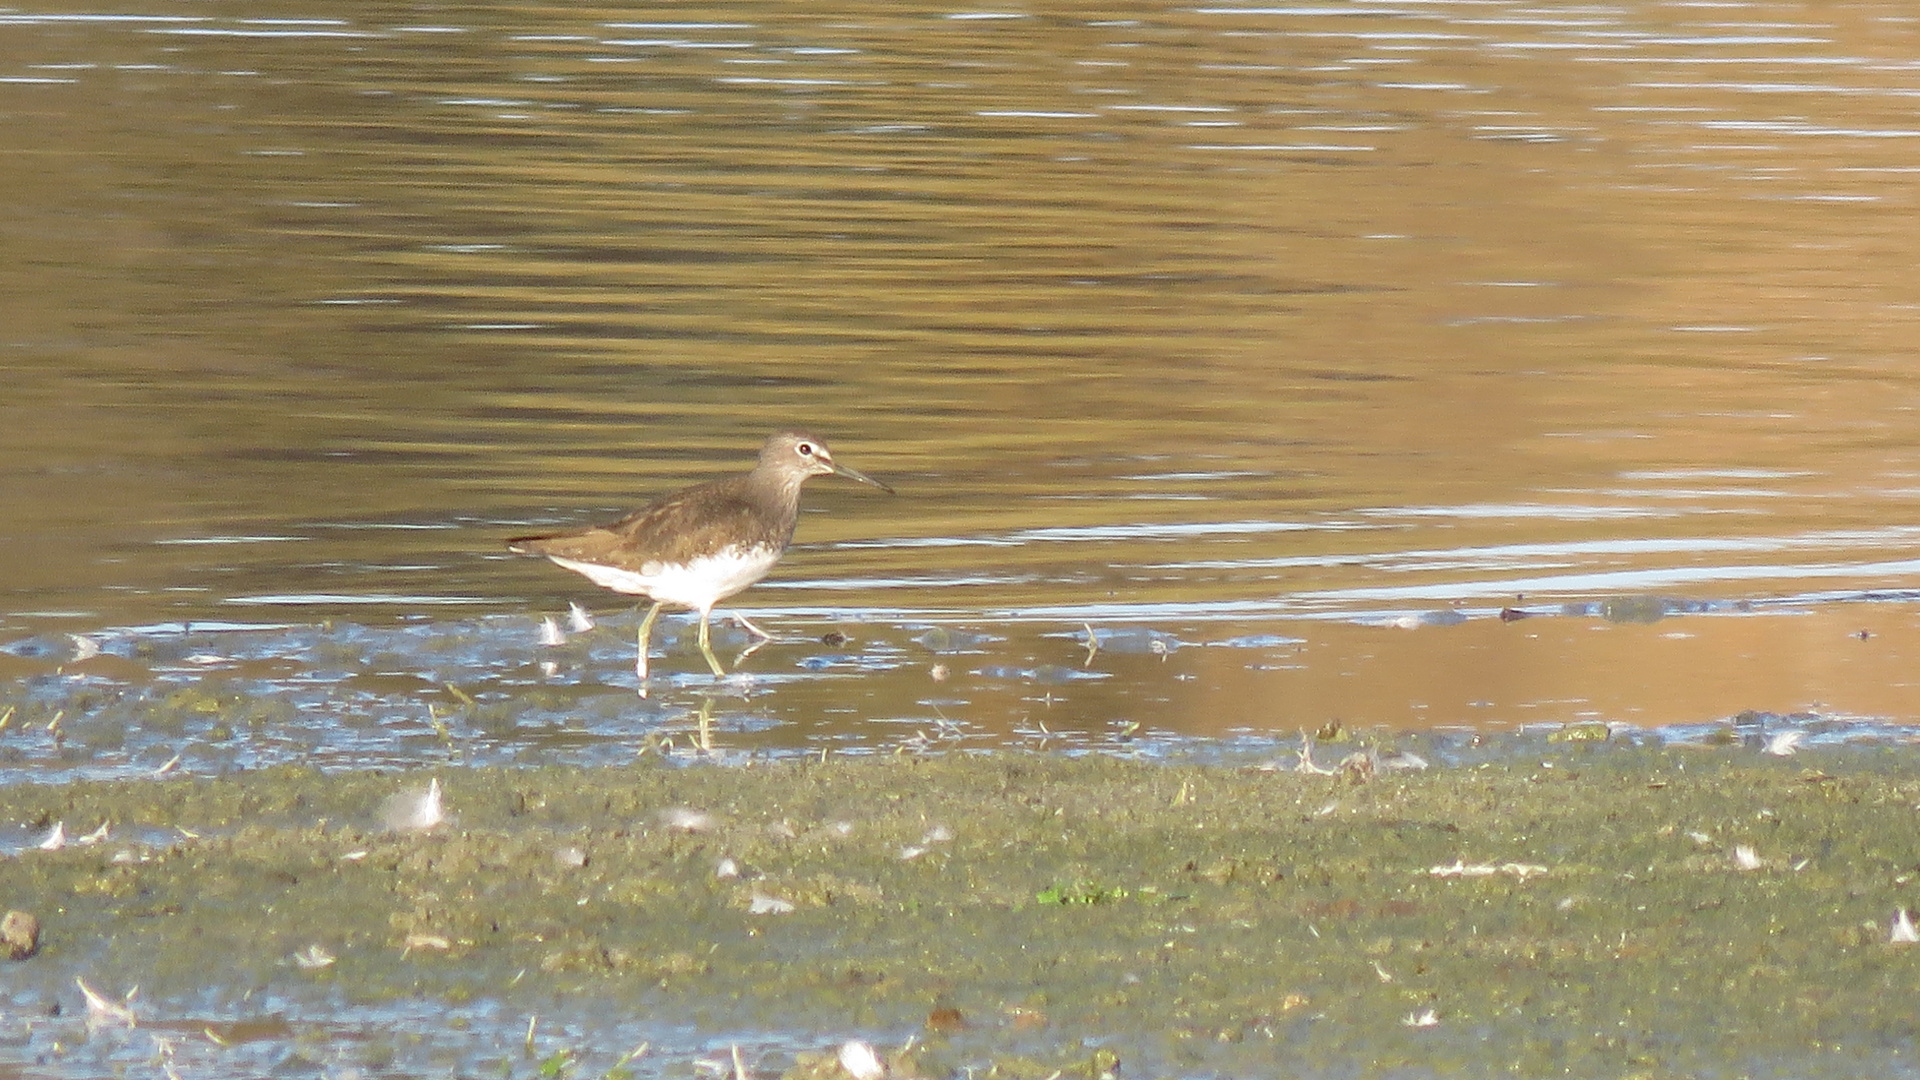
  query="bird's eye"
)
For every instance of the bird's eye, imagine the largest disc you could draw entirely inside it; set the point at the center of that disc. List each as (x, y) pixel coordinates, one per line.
(805, 449)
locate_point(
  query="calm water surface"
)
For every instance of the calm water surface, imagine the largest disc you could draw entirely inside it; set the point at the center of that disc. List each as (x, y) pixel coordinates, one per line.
(1262, 332)
(1275, 347)
(1265, 332)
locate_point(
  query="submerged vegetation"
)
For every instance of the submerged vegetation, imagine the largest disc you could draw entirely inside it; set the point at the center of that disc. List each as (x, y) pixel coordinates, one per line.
(1604, 910)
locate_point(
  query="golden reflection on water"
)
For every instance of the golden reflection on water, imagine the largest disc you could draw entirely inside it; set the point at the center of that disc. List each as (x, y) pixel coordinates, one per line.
(1200, 316)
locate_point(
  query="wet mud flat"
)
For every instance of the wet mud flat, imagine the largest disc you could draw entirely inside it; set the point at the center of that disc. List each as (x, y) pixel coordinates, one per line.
(1594, 910)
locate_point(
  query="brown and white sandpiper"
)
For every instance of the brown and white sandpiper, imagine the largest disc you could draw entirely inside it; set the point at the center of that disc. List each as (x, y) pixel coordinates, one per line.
(699, 546)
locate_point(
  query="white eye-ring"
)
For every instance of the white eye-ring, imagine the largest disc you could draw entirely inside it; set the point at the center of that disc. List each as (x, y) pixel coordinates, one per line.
(805, 449)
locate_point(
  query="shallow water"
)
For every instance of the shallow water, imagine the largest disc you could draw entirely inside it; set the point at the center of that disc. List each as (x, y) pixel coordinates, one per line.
(1239, 367)
(211, 700)
(1230, 324)
(1005, 914)
(1227, 323)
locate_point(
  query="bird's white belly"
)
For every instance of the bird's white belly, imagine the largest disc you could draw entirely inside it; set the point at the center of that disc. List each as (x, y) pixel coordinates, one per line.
(698, 585)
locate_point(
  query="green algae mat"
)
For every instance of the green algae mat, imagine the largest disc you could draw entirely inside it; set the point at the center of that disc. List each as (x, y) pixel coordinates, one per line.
(1608, 911)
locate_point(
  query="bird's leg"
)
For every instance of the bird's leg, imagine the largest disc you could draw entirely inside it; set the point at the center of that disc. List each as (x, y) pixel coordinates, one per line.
(706, 649)
(645, 638)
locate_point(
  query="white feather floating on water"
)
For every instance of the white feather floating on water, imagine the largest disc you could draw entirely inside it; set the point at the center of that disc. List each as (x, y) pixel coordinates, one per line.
(103, 1011)
(1902, 932)
(578, 620)
(1426, 1019)
(1523, 871)
(762, 904)
(313, 958)
(418, 811)
(861, 1062)
(686, 819)
(1785, 743)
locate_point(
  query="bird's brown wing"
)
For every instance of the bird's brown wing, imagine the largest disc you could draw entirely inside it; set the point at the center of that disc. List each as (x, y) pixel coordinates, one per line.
(698, 521)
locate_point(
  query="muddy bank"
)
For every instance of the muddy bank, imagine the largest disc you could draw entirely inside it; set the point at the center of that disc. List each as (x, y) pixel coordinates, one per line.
(1605, 911)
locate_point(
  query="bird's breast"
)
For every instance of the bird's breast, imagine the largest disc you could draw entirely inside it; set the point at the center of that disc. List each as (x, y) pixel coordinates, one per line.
(698, 583)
